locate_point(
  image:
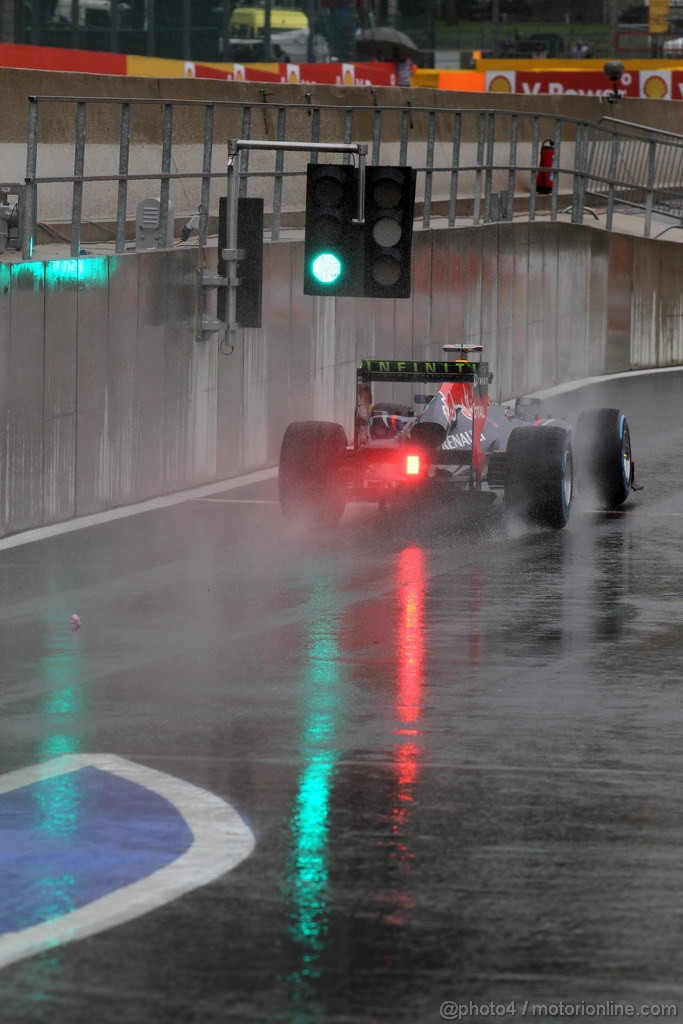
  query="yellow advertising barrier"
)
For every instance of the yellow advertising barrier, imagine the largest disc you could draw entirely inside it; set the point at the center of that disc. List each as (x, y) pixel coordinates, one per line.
(155, 67)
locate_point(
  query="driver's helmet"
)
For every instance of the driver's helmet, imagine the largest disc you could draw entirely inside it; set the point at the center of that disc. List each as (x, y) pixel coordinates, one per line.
(389, 421)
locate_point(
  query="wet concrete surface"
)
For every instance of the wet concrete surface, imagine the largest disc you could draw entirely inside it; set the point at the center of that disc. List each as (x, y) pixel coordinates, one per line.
(457, 742)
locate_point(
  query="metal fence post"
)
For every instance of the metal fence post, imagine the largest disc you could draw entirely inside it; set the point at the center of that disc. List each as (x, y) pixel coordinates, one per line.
(28, 227)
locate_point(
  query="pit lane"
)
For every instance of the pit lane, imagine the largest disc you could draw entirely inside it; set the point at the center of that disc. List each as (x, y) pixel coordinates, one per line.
(457, 745)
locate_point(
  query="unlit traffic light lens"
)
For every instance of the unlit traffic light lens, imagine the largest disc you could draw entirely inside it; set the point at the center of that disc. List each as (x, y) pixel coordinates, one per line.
(327, 231)
(328, 192)
(386, 232)
(386, 271)
(386, 193)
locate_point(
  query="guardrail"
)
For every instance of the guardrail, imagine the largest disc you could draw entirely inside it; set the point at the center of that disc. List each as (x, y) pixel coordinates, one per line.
(473, 165)
(639, 167)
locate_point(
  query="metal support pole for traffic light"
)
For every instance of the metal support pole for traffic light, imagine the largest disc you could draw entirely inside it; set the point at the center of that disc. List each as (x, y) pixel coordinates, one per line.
(230, 254)
(360, 149)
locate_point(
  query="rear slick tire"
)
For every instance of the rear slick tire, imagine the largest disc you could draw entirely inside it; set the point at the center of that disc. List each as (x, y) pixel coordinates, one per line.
(309, 482)
(539, 475)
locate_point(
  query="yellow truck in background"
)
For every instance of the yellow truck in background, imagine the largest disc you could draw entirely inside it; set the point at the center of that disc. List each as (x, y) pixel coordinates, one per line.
(249, 22)
(289, 35)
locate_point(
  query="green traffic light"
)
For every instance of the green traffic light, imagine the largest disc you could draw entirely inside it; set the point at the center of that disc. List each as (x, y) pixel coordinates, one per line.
(326, 268)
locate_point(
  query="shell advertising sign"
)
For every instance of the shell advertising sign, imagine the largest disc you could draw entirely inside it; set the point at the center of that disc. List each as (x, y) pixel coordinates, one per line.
(348, 75)
(561, 83)
(656, 85)
(501, 81)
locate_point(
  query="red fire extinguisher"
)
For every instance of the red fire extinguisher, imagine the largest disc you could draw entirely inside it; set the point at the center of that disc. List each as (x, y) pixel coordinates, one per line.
(544, 178)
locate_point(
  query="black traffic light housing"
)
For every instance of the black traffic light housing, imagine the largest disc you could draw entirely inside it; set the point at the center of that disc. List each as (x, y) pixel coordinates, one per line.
(389, 210)
(250, 268)
(333, 240)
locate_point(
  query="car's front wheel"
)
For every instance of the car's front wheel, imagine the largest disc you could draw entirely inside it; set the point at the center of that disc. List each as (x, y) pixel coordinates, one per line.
(539, 475)
(309, 481)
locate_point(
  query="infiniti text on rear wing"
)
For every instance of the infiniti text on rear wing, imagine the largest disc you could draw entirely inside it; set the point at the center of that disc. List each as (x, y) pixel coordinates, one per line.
(417, 371)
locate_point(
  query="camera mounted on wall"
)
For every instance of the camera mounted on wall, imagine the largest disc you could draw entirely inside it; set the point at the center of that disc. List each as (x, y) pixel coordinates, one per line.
(614, 69)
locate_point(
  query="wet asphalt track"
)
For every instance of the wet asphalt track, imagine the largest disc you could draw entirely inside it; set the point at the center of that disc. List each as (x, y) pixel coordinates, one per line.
(459, 747)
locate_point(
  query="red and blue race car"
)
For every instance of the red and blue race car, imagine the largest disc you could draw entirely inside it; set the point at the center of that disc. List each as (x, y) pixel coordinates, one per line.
(452, 437)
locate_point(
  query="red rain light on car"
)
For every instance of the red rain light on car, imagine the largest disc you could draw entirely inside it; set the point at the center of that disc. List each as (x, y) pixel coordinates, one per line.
(412, 465)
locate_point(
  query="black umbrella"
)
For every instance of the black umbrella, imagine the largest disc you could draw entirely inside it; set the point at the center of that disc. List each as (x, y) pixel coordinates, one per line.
(385, 41)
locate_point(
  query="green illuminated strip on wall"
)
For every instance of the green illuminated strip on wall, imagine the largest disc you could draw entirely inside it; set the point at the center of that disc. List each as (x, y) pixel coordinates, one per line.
(88, 273)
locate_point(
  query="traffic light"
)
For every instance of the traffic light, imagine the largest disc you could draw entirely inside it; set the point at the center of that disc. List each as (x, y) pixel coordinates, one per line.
(333, 257)
(389, 205)
(250, 268)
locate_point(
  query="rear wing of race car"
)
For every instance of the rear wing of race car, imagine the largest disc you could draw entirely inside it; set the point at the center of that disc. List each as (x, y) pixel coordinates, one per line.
(461, 371)
(462, 384)
(425, 371)
(472, 376)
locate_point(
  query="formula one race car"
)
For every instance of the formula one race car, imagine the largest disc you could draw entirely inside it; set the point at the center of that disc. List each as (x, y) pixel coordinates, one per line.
(451, 439)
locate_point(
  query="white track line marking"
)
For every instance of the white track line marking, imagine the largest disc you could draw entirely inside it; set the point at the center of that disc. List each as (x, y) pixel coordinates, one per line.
(239, 501)
(44, 532)
(631, 512)
(574, 385)
(221, 841)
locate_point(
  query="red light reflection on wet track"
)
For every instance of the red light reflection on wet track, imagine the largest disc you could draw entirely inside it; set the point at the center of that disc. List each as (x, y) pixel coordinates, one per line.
(410, 581)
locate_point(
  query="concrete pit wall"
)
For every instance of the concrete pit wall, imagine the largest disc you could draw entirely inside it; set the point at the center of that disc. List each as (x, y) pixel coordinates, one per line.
(107, 398)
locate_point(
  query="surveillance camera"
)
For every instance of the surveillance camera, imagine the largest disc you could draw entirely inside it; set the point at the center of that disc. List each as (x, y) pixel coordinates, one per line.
(187, 229)
(614, 69)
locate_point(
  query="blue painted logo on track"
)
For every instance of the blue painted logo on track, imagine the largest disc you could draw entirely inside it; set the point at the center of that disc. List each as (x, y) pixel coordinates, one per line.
(89, 841)
(74, 838)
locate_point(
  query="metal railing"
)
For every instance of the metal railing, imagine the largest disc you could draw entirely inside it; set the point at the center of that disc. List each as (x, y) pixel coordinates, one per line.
(639, 167)
(473, 166)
